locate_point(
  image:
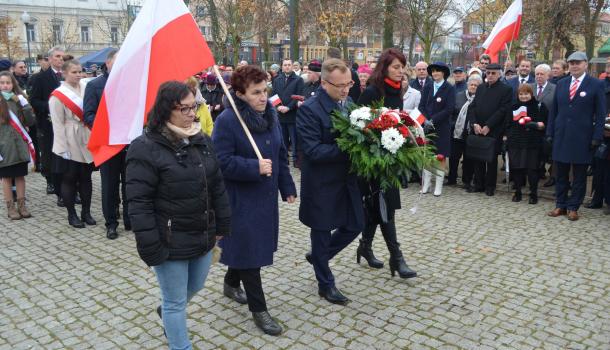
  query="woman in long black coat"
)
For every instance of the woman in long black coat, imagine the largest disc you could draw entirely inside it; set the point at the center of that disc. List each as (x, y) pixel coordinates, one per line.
(385, 84)
(437, 104)
(253, 187)
(525, 135)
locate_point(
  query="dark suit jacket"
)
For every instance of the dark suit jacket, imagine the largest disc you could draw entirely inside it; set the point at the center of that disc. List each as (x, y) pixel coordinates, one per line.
(490, 107)
(330, 196)
(284, 89)
(548, 94)
(573, 124)
(415, 83)
(42, 87)
(516, 81)
(438, 109)
(93, 96)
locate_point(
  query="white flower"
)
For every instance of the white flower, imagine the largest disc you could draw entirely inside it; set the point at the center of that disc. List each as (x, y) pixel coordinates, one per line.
(359, 116)
(392, 140)
(383, 110)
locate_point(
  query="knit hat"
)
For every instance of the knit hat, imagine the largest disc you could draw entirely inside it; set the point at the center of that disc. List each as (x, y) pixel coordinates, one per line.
(365, 68)
(315, 66)
(5, 65)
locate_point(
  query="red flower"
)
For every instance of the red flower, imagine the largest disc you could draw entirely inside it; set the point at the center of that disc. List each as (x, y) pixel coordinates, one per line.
(404, 131)
(420, 141)
(440, 157)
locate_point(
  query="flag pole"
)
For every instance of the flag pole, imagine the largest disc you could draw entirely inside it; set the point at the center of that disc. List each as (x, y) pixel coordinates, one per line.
(241, 120)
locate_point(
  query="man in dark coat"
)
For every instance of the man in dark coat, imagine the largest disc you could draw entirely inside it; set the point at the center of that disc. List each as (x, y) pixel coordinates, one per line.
(524, 77)
(330, 198)
(487, 114)
(21, 74)
(421, 76)
(112, 171)
(311, 86)
(459, 78)
(285, 85)
(212, 93)
(575, 126)
(42, 86)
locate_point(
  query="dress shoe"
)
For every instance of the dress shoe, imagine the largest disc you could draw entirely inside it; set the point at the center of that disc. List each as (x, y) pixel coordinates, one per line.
(111, 233)
(88, 219)
(50, 189)
(557, 212)
(308, 258)
(399, 265)
(517, 197)
(593, 205)
(74, 221)
(489, 192)
(533, 198)
(77, 199)
(127, 226)
(237, 294)
(572, 215)
(266, 323)
(60, 202)
(550, 182)
(365, 251)
(333, 295)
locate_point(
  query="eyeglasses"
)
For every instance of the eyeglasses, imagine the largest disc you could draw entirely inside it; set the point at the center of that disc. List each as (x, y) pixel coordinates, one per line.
(490, 72)
(185, 110)
(342, 86)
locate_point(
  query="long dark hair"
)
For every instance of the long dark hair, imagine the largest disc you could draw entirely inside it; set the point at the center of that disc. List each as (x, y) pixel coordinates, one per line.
(381, 70)
(4, 116)
(169, 95)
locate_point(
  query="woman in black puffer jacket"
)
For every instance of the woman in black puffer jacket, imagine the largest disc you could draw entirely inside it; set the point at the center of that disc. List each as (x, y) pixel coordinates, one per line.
(177, 201)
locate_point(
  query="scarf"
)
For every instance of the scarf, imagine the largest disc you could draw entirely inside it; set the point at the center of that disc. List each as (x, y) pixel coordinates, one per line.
(437, 86)
(257, 122)
(461, 119)
(184, 133)
(392, 83)
(7, 95)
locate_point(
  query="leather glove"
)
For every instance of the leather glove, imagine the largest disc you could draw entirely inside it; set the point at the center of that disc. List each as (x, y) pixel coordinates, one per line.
(531, 126)
(428, 126)
(595, 144)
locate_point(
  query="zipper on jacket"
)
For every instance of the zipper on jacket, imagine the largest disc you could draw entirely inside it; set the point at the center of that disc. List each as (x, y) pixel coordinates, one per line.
(169, 230)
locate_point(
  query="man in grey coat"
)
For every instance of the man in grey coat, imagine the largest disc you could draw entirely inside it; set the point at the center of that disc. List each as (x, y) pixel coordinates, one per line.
(544, 92)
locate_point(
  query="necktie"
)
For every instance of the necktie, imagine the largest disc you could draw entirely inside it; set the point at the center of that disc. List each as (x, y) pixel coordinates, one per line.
(421, 83)
(573, 89)
(58, 74)
(523, 80)
(539, 90)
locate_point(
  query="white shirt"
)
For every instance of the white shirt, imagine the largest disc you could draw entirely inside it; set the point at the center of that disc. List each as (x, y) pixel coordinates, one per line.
(580, 79)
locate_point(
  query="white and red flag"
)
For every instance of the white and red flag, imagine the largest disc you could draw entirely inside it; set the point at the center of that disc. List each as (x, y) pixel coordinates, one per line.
(164, 43)
(519, 113)
(275, 100)
(505, 30)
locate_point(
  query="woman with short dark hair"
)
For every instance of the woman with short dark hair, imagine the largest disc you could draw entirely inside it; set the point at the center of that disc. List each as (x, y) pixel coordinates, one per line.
(178, 205)
(253, 187)
(385, 84)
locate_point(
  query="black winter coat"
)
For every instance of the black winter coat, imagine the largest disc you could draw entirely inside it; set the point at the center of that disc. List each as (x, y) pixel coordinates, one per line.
(93, 96)
(491, 107)
(176, 196)
(285, 87)
(213, 98)
(518, 136)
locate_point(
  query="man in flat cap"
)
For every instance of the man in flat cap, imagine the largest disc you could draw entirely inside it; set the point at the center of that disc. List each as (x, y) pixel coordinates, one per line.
(575, 126)
(487, 114)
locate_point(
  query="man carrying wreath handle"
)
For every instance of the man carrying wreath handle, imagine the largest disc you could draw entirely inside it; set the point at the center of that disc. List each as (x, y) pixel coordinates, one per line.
(330, 198)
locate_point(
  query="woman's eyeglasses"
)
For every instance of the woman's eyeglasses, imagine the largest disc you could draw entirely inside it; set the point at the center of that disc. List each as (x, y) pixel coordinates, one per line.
(185, 110)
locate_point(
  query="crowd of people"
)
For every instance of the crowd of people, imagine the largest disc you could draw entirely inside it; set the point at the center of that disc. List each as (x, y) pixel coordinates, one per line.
(196, 179)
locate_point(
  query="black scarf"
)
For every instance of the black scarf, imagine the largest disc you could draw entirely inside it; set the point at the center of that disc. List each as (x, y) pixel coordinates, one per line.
(256, 122)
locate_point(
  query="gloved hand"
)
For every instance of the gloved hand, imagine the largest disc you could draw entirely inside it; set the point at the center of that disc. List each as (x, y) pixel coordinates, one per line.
(24, 102)
(595, 144)
(428, 126)
(531, 126)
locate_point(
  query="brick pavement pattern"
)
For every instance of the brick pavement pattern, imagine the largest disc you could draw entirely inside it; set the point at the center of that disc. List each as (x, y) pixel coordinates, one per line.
(492, 275)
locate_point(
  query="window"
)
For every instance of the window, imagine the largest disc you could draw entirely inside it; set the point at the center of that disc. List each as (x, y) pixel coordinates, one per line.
(114, 35)
(199, 11)
(202, 30)
(476, 29)
(57, 36)
(85, 34)
(30, 32)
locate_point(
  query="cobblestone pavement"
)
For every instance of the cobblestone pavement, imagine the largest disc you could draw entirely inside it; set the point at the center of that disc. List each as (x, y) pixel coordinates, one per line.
(493, 275)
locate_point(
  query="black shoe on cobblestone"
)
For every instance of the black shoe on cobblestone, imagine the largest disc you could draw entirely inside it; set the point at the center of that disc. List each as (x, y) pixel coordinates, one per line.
(111, 233)
(333, 295)
(237, 294)
(60, 202)
(266, 323)
(74, 221)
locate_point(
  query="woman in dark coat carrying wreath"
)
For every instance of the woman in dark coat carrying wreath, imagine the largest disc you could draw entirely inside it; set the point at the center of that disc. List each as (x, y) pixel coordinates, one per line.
(253, 187)
(385, 85)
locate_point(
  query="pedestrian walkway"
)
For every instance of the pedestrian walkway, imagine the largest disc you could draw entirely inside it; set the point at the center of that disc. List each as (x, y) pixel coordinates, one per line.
(492, 275)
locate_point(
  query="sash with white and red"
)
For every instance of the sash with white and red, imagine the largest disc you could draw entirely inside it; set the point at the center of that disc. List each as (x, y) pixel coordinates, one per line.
(16, 124)
(71, 100)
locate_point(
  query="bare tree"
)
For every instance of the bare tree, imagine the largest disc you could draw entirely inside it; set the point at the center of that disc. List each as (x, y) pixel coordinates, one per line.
(10, 42)
(591, 10)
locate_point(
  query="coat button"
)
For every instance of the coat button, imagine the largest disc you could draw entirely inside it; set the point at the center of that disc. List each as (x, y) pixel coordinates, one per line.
(268, 142)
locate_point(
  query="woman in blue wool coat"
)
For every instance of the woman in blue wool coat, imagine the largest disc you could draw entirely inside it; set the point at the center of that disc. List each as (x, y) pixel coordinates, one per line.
(253, 187)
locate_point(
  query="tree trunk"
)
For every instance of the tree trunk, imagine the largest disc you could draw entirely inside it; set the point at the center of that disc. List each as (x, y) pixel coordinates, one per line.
(344, 47)
(218, 48)
(388, 23)
(266, 46)
(411, 46)
(294, 30)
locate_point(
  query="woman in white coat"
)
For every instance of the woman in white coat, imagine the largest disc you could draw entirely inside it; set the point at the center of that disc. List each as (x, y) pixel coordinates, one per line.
(72, 159)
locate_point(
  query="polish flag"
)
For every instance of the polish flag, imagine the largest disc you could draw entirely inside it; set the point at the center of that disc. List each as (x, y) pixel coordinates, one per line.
(275, 100)
(505, 31)
(519, 113)
(420, 119)
(164, 43)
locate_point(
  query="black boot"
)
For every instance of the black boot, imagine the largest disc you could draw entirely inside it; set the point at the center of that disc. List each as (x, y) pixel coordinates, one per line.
(266, 323)
(365, 251)
(73, 219)
(533, 198)
(397, 262)
(87, 218)
(517, 196)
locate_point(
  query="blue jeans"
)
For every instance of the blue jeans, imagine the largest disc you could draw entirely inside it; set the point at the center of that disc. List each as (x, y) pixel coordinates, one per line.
(179, 281)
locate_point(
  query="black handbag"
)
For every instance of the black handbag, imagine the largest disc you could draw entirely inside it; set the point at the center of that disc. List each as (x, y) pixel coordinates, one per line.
(481, 148)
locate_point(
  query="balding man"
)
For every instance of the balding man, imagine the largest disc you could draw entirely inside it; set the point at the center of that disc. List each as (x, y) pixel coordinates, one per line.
(421, 76)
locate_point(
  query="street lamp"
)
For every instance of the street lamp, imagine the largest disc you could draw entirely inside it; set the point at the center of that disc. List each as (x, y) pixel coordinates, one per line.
(25, 18)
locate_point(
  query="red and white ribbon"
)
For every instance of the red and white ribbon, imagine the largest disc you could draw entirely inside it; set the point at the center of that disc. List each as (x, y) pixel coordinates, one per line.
(71, 100)
(16, 124)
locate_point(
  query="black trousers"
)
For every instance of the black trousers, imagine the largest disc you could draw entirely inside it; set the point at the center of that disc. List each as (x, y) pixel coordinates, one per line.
(486, 174)
(77, 175)
(324, 246)
(45, 144)
(251, 278)
(577, 188)
(601, 181)
(113, 177)
(458, 150)
(519, 175)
